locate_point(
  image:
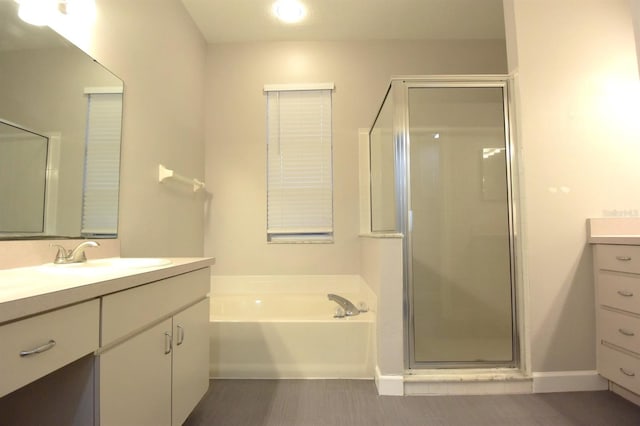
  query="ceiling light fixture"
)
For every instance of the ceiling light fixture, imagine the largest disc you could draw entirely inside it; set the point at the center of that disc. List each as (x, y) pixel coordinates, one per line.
(37, 12)
(44, 12)
(289, 11)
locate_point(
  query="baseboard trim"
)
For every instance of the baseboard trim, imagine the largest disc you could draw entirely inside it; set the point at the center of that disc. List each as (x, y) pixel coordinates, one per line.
(568, 381)
(390, 385)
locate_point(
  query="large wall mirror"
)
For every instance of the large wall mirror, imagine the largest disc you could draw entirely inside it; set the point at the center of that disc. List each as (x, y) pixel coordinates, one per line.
(60, 122)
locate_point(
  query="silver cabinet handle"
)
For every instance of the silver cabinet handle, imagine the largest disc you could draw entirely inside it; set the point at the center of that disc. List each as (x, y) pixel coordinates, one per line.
(625, 293)
(627, 373)
(626, 332)
(50, 344)
(623, 258)
(168, 343)
(180, 335)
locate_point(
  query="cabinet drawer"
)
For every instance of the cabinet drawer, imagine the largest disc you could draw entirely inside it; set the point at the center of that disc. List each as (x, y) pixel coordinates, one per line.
(619, 291)
(130, 310)
(74, 331)
(619, 329)
(619, 367)
(618, 258)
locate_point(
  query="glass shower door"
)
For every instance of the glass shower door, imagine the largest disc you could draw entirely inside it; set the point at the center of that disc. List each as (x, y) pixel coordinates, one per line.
(459, 221)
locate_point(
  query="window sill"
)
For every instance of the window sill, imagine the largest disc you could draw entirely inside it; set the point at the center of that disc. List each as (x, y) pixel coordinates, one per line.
(299, 240)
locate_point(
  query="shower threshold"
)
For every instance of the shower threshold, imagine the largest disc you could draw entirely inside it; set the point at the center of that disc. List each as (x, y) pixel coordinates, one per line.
(468, 381)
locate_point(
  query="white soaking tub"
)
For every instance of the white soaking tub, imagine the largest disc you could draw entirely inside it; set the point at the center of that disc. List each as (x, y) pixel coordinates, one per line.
(289, 335)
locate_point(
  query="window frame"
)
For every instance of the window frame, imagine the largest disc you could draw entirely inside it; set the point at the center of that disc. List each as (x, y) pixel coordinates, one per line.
(291, 232)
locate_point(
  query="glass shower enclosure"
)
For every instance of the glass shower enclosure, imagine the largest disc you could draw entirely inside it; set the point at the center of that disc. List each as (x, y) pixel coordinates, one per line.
(441, 175)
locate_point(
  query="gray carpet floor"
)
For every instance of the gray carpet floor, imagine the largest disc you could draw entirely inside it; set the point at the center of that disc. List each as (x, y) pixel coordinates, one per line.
(355, 403)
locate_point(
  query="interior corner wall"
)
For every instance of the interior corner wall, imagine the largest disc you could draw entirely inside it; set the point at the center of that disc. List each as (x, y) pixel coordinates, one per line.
(577, 103)
(235, 152)
(155, 47)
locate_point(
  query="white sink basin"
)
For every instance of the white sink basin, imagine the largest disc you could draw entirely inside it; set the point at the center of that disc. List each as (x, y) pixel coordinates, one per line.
(113, 263)
(130, 262)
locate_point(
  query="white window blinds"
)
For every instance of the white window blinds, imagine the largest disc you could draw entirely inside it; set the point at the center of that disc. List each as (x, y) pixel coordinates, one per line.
(299, 172)
(102, 160)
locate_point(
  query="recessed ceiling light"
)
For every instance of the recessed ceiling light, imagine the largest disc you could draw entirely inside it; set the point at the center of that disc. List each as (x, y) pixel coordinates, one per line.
(37, 12)
(46, 12)
(289, 11)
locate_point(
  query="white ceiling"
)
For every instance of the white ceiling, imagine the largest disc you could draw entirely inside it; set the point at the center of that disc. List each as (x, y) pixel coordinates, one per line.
(223, 21)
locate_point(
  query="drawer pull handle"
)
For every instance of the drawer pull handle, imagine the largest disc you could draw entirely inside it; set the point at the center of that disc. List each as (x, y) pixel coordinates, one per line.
(626, 332)
(625, 293)
(627, 373)
(180, 335)
(623, 258)
(50, 344)
(168, 343)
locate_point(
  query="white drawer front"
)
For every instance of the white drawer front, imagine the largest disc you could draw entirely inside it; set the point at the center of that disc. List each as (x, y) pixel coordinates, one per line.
(618, 258)
(620, 368)
(619, 291)
(74, 331)
(619, 329)
(130, 310)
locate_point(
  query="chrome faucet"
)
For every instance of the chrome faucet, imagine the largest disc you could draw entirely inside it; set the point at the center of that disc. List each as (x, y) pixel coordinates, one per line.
(75, 255)
(349, 308)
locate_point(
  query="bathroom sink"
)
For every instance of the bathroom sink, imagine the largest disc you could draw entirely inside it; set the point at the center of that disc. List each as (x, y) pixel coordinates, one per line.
(130, 262)
(113, 263)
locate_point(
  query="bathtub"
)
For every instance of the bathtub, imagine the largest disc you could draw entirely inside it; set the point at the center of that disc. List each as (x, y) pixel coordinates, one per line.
(285, 334)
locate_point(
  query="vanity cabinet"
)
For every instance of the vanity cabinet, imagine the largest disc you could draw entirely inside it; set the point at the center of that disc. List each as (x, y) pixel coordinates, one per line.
(190, 369)
(36, 346)
(153, 360)
(111, 345)
(617, 279)
(134, 385)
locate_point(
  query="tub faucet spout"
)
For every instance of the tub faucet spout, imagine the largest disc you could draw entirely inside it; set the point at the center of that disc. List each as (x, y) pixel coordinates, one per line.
(349, 308)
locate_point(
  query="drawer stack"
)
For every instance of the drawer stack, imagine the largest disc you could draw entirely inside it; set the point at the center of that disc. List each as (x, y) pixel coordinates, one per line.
(617, 278)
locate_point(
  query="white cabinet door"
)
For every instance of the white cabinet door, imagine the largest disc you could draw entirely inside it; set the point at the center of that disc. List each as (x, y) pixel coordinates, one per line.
(135, 380)
(190, 359)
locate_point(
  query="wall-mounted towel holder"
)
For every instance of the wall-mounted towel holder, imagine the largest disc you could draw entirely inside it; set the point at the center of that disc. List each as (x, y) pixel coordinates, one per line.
(164, 173)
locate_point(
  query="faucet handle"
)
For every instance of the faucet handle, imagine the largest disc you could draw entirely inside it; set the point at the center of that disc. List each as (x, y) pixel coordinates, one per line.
(61, 255)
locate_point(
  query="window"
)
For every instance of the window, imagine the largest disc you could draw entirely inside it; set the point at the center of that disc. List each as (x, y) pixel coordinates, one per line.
(102, 162)
(299, 170)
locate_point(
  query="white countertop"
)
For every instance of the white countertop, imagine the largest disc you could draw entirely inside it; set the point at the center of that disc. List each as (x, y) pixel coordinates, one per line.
(629, 240)
(30, 290)
(621, 230)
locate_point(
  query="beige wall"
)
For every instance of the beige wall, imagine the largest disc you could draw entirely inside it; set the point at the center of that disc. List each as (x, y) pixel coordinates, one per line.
(154, 46)
(577, 98)
(156, 49)
(235, 129)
